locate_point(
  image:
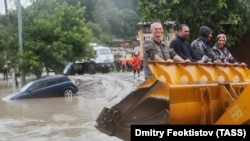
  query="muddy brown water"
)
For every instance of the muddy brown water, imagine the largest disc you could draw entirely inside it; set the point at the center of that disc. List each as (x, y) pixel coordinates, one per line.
(61, 118)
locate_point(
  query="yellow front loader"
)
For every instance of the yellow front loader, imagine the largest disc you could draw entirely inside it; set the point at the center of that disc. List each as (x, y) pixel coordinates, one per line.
(182, 93)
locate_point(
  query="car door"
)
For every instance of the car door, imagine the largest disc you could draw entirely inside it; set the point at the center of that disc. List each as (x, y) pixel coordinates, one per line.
(54, 87)
(36, 90)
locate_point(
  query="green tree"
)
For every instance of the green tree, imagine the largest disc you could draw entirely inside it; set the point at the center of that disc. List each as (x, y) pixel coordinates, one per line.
(99, 37)
(120, 23)
(229, 16)
(117, 18)
(8, 41)
(55, 36)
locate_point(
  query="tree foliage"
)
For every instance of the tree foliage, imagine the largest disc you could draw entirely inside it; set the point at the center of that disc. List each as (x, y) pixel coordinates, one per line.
(119, 22)
(227, 16)
(8, 41)
(57, 37)
(99, 37)
(117, 18)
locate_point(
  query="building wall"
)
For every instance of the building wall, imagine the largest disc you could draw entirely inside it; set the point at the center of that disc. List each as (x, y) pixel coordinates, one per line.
(241, 50)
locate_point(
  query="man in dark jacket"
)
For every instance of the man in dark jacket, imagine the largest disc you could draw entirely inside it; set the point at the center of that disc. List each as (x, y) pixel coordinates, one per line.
(182, 47)
(200, 45)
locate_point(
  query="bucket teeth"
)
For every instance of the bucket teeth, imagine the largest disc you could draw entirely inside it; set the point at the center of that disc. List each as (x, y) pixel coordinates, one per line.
(106, 120)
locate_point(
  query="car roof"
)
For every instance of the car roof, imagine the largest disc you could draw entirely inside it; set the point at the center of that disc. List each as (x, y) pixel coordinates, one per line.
(50, 77)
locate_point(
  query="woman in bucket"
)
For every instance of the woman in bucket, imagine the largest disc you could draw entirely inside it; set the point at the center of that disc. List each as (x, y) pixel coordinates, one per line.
(221, 52)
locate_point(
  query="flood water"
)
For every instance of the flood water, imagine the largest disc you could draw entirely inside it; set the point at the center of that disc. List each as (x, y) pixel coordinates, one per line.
(61, 118)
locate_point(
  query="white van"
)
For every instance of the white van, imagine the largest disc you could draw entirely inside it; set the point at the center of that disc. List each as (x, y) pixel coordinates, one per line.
(104, 58)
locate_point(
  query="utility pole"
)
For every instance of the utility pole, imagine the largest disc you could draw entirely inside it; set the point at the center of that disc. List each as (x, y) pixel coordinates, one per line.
(19, 16)
(6, 13)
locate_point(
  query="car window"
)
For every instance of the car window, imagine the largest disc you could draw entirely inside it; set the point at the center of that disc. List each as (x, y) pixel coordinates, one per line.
(104, 51)
(27, 86)
(37, 85)
(54, 81)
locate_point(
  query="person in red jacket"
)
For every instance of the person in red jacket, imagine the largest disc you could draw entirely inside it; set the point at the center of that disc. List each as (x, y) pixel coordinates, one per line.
(136, 63)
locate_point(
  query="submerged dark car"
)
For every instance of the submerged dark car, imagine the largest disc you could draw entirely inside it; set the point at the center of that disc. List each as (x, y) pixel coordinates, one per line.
(51, 86)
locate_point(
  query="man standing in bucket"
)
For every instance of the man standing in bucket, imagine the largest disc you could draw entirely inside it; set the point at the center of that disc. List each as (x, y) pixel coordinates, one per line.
(201, 45)
(154, 49)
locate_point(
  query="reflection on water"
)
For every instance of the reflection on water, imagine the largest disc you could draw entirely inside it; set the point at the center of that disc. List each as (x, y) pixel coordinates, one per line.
(46, 119)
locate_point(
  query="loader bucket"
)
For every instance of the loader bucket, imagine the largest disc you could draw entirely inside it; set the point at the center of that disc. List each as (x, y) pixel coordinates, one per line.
(182, 93)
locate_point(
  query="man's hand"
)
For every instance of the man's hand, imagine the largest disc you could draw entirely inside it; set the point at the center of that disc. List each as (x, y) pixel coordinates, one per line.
(217, 62)
(170, 60)
(243, 63)
(187, 61)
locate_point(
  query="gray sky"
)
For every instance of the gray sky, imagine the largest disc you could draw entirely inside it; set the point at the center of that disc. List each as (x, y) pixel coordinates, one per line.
(11, 5)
